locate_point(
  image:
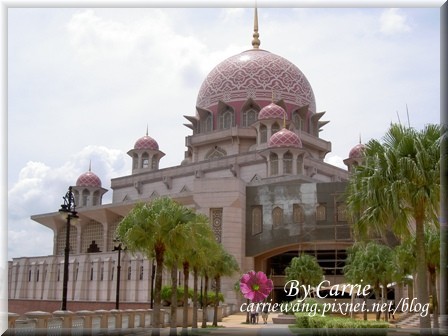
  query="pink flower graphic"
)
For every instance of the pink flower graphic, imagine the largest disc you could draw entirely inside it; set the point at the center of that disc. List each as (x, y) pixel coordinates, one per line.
(255, 286)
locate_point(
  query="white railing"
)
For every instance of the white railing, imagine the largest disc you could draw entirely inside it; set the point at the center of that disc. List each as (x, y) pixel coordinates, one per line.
(94, 322)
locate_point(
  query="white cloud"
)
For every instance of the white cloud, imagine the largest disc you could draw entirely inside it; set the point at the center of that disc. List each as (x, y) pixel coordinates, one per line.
(40, 188)
(335, 161)
(392, 21)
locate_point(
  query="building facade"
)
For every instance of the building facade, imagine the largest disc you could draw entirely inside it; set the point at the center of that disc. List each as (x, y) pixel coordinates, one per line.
(254, 164)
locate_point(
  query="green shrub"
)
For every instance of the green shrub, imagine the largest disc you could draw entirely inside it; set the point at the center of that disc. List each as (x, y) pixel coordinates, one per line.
(340, 325)
(165, 294)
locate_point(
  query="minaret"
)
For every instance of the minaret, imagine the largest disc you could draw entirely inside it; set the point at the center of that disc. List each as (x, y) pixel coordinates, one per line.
(145, 154)
(88, 191)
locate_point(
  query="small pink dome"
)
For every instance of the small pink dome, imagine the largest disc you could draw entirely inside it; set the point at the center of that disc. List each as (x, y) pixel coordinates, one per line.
(146, 142)
(285, 138)
(272, 111)
(88, 179)
(357, 151)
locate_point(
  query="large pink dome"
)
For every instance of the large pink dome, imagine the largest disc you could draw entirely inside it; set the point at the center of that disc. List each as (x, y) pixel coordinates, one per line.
(256, 74)
(88, 179)
(285, 138)
(146, 142)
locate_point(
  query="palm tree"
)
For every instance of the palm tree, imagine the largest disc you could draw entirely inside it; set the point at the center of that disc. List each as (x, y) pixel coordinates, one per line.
(147, 229)
(398, 184)
(305, 269)
(204, 249)
(432, 244)
(201, 236)
(224, 265)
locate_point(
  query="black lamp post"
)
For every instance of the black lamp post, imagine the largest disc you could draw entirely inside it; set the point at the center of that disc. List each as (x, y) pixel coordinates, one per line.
(118, 247)
(153, 272)
(68, 212)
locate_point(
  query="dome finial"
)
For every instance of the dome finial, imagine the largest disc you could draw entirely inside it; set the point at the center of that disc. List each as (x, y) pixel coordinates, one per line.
(146, 129)
(284, 120)
(255, 41)
(90, 165)
(359, 137)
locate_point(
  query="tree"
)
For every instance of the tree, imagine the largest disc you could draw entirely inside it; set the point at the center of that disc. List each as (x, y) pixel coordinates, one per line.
(432, 246)
(147, 228)
(398, 185)
(305, 269)
(354, 270)
(372, 264)
(224, 265)
(201, 243)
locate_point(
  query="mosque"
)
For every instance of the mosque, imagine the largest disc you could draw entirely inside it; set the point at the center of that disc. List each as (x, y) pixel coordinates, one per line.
(254, 164)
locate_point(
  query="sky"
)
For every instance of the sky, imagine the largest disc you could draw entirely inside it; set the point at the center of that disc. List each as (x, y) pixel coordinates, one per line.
(85, 83)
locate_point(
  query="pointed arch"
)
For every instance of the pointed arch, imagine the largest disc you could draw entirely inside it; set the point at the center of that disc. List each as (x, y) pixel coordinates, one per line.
(226, 116)
(249, 113)
(277, 217)
(214, 153)
(287, 163)
(263, 133)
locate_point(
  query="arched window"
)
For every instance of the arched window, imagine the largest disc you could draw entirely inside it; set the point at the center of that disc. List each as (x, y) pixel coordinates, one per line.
(287, 163)
(145, 160)
(135, 161)
(263, 134)
(277, 217)
(129, 272)
(226, 119)
(85, 197)
(297, 121)
(341, 212)
(141, 273)
(257, 223)
(37, 276)
(112, 273)
(154, 163)
(321, 212)
(96, 198)
(208, 123)
(297, 214)
(275, 128)
(91, 273)
(249, 117)
(273, 160)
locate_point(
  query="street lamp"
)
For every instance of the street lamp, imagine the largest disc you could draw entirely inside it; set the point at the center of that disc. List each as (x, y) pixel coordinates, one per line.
(153, 272)
(118, 247)
(68, 212)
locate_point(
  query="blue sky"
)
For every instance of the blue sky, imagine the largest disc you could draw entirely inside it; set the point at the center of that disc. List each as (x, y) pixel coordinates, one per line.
(84, 83)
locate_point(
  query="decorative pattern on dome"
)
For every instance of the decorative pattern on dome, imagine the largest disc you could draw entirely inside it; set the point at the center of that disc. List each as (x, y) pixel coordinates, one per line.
(146, 142)
(357, 151)
(285, 138)
(256, 71)
(88, 179)
(272, 111)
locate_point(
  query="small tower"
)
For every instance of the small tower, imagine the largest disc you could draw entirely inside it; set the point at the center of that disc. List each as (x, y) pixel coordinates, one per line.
(88, 191)
(145, 155)
(355, 156)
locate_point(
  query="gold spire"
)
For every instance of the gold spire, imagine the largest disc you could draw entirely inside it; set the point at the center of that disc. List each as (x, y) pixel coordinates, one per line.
(255, 41)
(284, 119)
